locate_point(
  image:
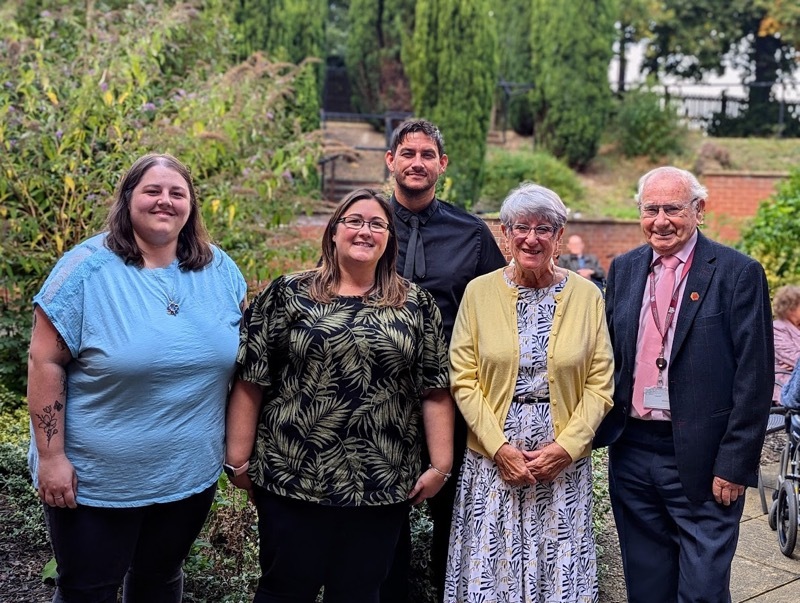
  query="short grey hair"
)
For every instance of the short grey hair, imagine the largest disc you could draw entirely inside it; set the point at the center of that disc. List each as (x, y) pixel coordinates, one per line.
(531, 200)
(697, 192)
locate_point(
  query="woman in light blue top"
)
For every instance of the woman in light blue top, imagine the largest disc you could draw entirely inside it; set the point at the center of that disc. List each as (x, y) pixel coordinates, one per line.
(133, 348)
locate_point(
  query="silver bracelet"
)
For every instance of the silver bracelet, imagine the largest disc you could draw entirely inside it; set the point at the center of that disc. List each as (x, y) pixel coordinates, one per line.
(445, 476)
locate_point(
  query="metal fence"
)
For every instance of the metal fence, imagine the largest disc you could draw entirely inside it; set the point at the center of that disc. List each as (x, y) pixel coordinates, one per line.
(699, 109)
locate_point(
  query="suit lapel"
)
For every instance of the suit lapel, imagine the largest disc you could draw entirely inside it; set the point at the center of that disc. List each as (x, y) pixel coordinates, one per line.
(697, 282)
(639, 267)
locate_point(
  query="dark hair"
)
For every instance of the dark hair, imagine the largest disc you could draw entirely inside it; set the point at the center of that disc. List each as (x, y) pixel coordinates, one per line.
(389, 287)
(420, 125)
(194, 243)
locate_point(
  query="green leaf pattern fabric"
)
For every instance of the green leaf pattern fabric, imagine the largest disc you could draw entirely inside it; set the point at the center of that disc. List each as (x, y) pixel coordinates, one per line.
(340, 421)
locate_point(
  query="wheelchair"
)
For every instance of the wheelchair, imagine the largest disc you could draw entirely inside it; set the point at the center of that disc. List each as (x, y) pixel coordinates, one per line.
(783, 514)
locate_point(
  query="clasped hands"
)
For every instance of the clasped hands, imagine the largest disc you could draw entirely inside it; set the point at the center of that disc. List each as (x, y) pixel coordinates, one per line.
(520, 467)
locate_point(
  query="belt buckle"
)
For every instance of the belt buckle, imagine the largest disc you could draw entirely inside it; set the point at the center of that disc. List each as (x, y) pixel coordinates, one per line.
(531, 399)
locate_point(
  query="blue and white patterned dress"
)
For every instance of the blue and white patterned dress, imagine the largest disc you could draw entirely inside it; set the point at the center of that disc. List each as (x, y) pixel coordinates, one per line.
(524, 544)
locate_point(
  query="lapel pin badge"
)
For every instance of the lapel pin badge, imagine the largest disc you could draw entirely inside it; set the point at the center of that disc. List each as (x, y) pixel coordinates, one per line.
(694, 296)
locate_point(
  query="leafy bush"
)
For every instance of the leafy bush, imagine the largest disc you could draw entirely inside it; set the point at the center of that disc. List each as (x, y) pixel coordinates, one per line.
(82, 95)
(25, 520)
(772, 236)
(648, 126)
(507, 169)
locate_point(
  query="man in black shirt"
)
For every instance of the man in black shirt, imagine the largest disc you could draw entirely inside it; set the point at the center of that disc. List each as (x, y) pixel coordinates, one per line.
(441, 248)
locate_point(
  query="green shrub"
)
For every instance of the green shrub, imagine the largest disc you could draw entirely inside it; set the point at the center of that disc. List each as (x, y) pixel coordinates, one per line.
(646, 125)
(507, 169)
(24, 520)
(77, 110)
(772, 236)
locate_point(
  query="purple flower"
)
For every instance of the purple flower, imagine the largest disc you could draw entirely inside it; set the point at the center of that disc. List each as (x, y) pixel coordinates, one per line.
(59, 134)
(270, 115)
(287, 175)
(103, 86)
(148, 107)
(45, 14)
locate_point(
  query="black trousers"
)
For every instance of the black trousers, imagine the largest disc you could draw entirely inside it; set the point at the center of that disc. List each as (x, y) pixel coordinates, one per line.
(96, 549)
(306, 546)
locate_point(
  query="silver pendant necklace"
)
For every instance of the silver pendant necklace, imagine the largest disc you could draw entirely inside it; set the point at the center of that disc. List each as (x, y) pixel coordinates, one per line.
(173, 307)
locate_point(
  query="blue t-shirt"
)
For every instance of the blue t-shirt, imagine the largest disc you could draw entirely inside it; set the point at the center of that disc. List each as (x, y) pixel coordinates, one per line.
(146, 390)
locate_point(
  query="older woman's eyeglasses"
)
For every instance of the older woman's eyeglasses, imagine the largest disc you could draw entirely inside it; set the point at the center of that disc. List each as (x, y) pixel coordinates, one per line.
(355, 223)
(541, 231)
(672, 210)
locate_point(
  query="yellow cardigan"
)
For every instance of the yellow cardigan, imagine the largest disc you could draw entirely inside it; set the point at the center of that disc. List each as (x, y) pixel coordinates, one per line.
(484, 362)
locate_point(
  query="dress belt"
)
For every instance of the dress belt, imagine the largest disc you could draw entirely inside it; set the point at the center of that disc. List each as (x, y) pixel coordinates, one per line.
(528, 399)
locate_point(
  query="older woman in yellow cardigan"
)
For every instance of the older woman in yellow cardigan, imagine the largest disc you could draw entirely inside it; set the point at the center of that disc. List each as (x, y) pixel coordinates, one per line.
(531, 370)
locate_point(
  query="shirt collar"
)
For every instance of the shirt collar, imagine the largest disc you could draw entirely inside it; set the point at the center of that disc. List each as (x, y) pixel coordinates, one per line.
(405, 214)
(684, 252)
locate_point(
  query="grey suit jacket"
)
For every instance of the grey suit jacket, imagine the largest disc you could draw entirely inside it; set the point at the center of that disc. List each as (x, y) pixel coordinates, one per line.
(720, 375)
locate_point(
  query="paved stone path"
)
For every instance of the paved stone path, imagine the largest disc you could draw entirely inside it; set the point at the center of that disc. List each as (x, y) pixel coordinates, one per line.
(761, 573)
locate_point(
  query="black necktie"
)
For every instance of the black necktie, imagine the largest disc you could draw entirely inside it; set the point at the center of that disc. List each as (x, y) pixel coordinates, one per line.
(415, 254)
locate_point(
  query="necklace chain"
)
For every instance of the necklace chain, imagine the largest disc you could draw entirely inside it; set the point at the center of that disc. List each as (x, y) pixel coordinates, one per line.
(173, 307)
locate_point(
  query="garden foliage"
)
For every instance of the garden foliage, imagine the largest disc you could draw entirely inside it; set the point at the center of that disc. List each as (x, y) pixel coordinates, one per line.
(375, 37)
(648, 125)
(513, 19)
(82, 94)
(507, 169)
(291, 31)
(772, 236)
(571, 46)
(451, 62)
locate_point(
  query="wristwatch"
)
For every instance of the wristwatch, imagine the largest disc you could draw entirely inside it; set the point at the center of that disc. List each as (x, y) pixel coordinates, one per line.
(232, 471)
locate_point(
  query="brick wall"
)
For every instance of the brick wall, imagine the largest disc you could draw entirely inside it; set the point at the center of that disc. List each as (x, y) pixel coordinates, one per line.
(733, 198)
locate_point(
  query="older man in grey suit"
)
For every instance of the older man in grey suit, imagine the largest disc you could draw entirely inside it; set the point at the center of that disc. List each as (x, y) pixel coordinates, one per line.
(691, 327)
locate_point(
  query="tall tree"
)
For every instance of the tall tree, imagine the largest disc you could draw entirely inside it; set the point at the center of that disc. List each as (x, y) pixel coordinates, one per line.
(571, 44)
(452, 66)
(632, 20)
(513, 19)
(690, 38)
(288, 31)
(373, 58)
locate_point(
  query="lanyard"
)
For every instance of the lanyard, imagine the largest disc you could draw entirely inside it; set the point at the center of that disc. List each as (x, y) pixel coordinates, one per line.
(661, 362)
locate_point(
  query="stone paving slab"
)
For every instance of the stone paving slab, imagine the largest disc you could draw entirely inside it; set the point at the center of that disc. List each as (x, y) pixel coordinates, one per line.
(785, 594)
(758, 543)
(751, 579)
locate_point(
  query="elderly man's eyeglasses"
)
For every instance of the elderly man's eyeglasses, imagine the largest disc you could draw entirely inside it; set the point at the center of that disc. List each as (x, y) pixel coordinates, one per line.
(541, 231)
(671, 210)
(355, 223)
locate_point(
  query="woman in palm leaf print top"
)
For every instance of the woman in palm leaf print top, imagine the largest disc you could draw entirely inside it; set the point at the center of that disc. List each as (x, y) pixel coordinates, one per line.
(341, 370)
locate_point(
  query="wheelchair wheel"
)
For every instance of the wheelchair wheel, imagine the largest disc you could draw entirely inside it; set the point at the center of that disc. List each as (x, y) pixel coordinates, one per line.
(772, 517)
(787, 517)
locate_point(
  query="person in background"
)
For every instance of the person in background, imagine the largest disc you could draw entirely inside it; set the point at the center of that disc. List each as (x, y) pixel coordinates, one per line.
(132, 352)
(786, 329)
(341, 372)
(691, 328)
(587, 265)
(440, 248)
(522, 526)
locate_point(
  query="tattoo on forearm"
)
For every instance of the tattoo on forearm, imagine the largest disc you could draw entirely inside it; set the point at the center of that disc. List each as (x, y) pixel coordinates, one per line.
(62, 345)
(48, 421)
(63, 386)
